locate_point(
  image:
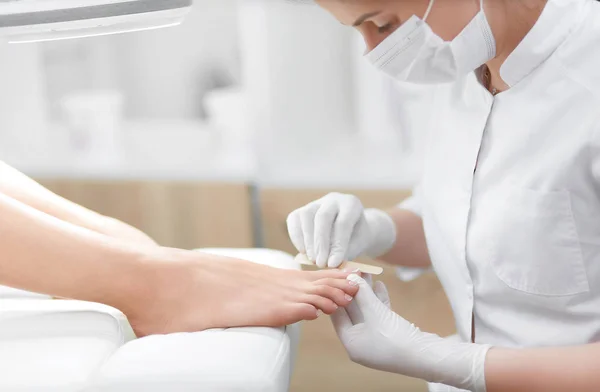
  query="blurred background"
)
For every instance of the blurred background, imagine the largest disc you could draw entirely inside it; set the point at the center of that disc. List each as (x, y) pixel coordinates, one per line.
(210, 133)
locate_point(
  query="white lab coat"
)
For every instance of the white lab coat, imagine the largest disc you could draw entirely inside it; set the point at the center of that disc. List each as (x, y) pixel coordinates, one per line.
(516, 242)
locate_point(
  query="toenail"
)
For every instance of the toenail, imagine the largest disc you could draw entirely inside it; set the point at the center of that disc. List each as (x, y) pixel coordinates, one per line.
(319, 313)
(348, 297)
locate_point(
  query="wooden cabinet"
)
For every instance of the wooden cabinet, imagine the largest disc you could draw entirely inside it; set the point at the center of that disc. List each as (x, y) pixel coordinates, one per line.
(322, 363)
(177, 214)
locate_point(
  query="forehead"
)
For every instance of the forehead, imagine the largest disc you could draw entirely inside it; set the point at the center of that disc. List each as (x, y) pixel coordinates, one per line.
(348, 11)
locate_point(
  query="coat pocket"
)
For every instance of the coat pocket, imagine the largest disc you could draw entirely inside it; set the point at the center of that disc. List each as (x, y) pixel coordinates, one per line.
(534, 246)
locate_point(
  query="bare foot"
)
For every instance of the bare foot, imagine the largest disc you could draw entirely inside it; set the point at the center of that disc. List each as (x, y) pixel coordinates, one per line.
(199, 291)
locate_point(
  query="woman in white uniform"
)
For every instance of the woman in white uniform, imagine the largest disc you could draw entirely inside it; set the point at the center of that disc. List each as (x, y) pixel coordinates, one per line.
(508, 209)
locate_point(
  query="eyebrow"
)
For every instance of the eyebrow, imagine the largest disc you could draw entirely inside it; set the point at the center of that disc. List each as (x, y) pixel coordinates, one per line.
(364, 18)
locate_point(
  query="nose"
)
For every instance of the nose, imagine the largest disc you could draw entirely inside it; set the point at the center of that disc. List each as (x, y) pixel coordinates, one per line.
(372, 36)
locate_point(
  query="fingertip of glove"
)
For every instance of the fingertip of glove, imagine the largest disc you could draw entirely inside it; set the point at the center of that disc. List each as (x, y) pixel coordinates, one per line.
(336, 257)
(334, 262)
(380, 286)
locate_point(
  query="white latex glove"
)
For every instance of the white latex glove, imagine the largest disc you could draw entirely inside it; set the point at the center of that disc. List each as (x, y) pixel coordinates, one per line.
(337, 228)
(376, 337)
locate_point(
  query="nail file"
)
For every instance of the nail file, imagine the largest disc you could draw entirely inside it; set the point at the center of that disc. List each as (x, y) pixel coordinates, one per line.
(349, 265)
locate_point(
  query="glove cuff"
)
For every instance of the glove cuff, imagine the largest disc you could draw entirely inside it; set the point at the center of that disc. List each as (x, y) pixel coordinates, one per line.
(383, 228)
(478, 372)
(462, 365)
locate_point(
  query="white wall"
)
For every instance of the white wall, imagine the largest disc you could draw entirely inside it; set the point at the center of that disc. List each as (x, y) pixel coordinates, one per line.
(77, 65)
(323, 115)
(310, 93)
(300, 79)
(164, 71)
(23, 109)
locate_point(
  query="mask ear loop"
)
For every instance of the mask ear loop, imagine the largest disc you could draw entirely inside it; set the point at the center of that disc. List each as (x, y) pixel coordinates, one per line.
(431, 6)
(433, 1)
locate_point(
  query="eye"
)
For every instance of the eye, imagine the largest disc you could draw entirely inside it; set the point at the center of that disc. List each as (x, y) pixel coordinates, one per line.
(385, 28)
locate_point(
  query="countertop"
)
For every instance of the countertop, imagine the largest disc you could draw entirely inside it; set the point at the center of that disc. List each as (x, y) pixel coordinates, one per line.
(191, 151)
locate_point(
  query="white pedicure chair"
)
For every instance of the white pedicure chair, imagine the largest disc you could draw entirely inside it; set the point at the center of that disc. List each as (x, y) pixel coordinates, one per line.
(66, 346)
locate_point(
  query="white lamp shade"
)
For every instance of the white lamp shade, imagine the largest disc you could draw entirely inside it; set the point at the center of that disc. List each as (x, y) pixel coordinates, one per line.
(24, 21)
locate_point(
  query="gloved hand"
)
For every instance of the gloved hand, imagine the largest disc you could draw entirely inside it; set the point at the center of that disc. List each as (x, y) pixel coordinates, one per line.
(376, 337)
(337, 228)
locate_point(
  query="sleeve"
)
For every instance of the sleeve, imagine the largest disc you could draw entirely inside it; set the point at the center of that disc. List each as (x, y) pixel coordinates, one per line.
(414, 205)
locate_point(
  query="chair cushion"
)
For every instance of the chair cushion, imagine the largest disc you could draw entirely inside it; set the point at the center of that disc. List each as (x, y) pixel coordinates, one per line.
(239, 359)
(57, 345)
(10, 293)
(236, 359)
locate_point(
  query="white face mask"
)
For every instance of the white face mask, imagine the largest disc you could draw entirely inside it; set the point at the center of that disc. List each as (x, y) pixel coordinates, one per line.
(414, 53)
